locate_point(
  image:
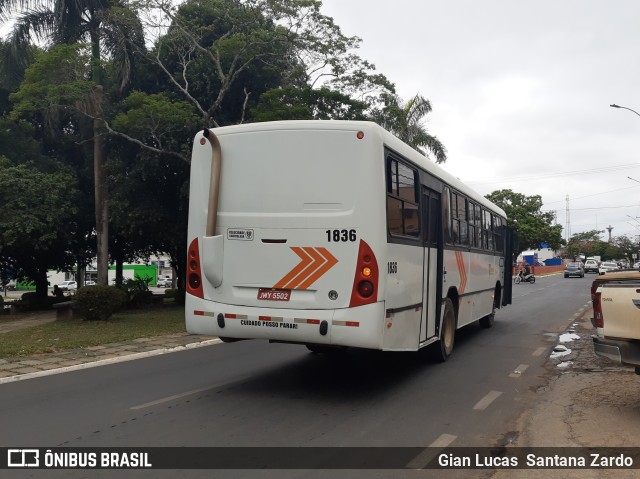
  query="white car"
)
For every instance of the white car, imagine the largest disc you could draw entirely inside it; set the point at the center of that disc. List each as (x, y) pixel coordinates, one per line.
(607, 266)
(68, 285)
(164, 283)
(591, 266)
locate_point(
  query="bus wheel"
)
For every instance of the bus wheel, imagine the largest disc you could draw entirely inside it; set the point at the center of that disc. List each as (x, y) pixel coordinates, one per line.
(489, 319)
(323, 349)
(448, 331)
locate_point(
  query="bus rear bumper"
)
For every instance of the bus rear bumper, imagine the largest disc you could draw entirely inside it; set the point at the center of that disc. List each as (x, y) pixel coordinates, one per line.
(356, 327)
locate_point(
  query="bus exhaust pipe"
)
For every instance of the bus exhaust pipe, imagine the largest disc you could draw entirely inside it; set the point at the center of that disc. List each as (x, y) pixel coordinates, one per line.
(212, 245)
(214, 189)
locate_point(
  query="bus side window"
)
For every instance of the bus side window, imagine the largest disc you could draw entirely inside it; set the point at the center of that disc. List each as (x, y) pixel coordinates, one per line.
(403, 212)
(446, 215)
(497, 230)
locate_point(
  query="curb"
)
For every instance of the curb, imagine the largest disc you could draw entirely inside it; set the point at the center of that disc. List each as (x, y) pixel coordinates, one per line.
(105, 362)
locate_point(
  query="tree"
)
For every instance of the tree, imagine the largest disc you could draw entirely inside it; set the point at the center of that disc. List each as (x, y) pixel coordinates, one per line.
(98, 22)
(405, 120)
(37, 220)
(291, 103)
(524, 214)
(222, 55)
(588, 243)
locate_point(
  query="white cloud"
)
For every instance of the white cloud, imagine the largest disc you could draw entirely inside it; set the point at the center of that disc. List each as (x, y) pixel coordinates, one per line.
(521, 89)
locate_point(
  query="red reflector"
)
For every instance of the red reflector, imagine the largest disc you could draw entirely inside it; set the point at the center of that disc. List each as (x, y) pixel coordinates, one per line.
(230, 316)
(199, 313)
(194, 281)
(365, 288)
(264, 318)
(313, 321)
(352, 323)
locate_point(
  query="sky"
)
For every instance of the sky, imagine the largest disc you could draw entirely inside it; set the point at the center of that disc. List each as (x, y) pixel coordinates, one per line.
(520, 94)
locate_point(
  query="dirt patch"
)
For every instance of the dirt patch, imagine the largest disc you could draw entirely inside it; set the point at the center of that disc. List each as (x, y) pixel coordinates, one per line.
(590, 402)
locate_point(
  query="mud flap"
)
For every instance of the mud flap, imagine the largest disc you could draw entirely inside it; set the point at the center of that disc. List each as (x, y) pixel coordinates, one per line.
(212, 253)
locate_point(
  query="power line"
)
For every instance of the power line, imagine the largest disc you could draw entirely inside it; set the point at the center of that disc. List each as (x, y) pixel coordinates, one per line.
(557, 174)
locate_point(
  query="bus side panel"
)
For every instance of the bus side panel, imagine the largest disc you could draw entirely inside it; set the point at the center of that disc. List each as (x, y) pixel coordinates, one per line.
(404, 288)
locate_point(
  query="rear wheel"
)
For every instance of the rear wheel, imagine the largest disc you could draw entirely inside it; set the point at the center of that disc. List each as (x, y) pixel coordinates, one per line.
(488, 321)
(517, 280)
(447, 331)
(533, 279)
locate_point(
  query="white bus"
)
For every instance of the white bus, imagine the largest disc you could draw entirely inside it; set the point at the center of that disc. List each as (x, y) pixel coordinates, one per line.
(336, 233)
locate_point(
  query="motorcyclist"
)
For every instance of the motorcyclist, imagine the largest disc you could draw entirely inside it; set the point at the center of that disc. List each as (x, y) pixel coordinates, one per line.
(527, 271)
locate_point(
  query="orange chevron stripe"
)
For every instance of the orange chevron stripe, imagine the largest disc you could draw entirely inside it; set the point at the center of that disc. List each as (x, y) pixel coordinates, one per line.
(462, 271)
(329, 262)
(315, 264)
(306, 261)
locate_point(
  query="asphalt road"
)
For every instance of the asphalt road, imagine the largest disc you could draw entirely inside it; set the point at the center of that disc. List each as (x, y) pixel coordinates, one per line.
(253, 393)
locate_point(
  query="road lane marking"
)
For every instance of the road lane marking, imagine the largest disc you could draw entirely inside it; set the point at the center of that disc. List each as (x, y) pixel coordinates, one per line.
(517, 372)
(443, 441)
(487, 400)
(539, 352)
(187, 393)
(427, 455)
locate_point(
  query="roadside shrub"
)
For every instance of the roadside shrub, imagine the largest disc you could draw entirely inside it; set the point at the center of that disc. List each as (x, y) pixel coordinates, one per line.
(30, 301)
(99, 302)
(137, 291)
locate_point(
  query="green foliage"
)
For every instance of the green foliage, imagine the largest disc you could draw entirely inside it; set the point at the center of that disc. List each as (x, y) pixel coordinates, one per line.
(56, 80)
(137, 291)
(99, 302)
(588, 243)
(292, 103)
(37, 220)
(155, 119)
(405, 120)
(524, 214)
(32, 301)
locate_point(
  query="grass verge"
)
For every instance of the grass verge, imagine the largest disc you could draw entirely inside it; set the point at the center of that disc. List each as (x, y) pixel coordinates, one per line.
(72, 334)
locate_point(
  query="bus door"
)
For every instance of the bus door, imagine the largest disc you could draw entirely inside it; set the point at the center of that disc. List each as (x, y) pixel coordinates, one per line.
(432, 238)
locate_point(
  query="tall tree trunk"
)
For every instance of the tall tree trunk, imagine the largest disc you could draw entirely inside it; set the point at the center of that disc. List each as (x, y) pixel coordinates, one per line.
(42, 286)
(101, 194)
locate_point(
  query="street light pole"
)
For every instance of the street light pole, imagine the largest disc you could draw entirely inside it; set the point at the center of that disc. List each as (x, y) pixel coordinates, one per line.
(624, 107)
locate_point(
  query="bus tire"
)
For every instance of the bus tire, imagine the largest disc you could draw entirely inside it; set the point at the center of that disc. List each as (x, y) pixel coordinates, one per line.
(323, 349)
(447, 331)
(488, 321)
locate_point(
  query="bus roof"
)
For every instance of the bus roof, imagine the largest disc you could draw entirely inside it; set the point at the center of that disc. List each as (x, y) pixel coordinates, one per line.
(387, 138)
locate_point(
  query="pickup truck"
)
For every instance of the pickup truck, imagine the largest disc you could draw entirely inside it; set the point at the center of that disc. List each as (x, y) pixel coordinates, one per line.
(616, 317)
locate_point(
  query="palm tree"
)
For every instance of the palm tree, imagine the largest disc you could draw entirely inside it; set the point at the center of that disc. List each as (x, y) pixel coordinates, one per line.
(405, 121)
(99, 23)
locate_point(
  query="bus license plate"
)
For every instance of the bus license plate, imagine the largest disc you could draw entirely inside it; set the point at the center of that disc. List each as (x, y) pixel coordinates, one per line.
(274, 294)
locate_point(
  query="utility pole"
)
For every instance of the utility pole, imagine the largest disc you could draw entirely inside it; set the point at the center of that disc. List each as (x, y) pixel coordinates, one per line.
(568, 220)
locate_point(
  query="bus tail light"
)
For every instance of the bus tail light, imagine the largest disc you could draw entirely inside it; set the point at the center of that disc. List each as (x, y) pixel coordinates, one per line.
(194, 274)
(598, 319)
(365, 282)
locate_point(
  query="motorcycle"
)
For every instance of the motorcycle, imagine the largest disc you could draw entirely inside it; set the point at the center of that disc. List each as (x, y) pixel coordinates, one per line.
(521, 278)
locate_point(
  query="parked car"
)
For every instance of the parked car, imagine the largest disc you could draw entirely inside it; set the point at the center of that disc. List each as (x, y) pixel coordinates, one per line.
(164, 283)
(574, 269)
(89, 283)
(68, 286)
(607, 266)
(636, 265)
(591, 266)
